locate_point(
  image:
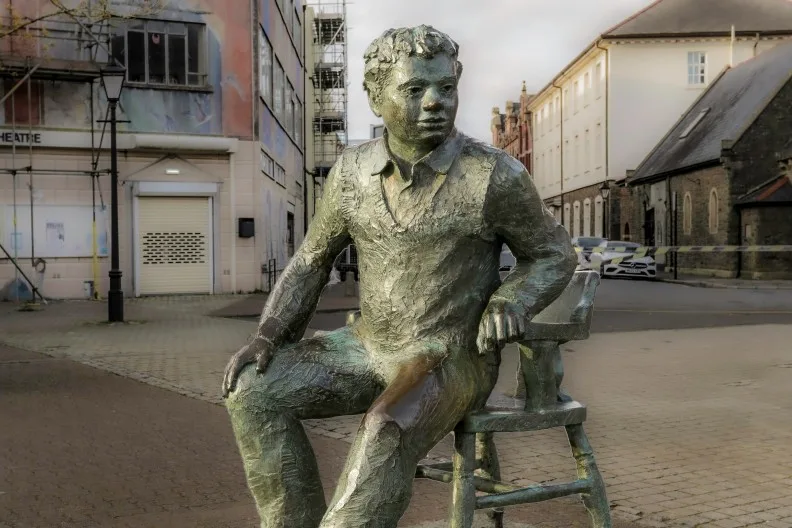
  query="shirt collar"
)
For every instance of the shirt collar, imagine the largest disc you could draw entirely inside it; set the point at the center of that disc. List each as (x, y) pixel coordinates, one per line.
(440, 159)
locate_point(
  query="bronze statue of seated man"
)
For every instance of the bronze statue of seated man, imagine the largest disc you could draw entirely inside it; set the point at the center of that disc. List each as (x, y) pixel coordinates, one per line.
(428, 209)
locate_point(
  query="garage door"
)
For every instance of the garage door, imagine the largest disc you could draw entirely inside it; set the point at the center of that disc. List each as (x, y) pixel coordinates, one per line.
(174, 245)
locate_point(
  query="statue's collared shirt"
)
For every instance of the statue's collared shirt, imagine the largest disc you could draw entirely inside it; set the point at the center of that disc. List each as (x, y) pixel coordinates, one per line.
(411, 190)
(428, 271)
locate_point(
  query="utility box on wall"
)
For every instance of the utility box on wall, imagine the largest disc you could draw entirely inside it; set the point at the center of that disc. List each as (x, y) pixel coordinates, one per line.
(247, 228)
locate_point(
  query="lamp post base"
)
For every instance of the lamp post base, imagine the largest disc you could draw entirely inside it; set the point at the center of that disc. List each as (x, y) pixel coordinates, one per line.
(115, 298)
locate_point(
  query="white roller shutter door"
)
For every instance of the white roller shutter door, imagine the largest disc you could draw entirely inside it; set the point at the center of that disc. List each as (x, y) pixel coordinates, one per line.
(174, 245)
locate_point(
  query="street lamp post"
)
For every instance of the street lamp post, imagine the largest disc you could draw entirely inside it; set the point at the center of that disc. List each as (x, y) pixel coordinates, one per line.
(605, 193)
(113, 82)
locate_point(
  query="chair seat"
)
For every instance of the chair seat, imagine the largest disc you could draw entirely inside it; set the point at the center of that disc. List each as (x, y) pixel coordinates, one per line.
(506, 418)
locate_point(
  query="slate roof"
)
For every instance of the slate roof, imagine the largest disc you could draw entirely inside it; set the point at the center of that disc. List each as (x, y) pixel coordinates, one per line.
(704, 17)
(730, 104)
(775, 192)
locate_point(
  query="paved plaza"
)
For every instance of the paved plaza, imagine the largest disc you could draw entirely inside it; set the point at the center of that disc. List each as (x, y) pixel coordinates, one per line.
(690, 426)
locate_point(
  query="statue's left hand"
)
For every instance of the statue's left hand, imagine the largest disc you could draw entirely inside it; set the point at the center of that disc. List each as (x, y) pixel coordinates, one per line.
(503, 322)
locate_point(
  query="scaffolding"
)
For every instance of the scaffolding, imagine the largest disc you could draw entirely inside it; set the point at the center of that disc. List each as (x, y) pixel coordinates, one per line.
(60, 48)
(330, 79)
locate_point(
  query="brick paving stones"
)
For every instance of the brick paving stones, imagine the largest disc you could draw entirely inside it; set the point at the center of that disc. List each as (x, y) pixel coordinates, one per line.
(690, 427)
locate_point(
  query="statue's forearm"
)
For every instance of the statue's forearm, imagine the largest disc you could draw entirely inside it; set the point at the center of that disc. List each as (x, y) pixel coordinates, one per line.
(292, 303)
(534, 285)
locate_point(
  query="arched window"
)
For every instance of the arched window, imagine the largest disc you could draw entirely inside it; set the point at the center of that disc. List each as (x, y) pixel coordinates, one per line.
(687, 214)
(627, 231)
(713, 211)
(576, 221)
(567, 217)
(587, 217)
(598, 210)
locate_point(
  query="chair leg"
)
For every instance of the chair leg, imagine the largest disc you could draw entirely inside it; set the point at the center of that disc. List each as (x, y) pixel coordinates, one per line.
(596, 501)
(463, 493)
(490, 468)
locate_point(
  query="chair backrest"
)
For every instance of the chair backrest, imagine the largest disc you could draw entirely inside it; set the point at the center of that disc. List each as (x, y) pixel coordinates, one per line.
(569, 316)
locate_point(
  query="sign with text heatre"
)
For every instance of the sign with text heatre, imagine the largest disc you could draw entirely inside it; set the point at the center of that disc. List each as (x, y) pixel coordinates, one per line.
(22, 138)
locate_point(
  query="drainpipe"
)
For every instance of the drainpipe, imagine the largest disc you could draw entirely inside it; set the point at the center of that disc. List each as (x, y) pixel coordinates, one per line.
(561, 143)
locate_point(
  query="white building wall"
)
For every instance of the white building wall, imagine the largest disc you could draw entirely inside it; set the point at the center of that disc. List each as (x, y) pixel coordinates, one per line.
(560, 116)
(649, 91)
(647, 85)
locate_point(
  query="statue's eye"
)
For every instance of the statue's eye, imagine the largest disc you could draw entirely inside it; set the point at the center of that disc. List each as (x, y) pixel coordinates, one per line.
(448, 88)
(415, 90)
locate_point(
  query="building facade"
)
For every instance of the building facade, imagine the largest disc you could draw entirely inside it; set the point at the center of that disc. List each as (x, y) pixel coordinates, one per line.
(723, 170)
(604, 112)
(210, 155)
(511, 131)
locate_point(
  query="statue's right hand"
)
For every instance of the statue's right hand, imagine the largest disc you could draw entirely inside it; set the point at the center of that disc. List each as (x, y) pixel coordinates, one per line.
(258, 351)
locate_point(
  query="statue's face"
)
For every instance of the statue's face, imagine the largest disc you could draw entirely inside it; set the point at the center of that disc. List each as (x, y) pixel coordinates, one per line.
(419, 101)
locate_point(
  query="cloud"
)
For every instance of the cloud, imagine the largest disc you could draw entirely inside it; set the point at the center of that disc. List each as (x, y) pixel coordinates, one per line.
(502, 43)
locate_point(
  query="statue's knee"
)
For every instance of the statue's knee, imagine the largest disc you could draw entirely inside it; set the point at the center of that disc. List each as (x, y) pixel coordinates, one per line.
(383, 429)
(251, 397)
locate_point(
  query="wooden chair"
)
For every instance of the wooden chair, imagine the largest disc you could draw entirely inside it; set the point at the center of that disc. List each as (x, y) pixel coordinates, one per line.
(475, 460)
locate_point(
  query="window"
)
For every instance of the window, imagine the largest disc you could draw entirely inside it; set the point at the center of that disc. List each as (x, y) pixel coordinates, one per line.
(713, 211)
(587, 152)
(599, 148)
(267, 165)
(576, 220)
(687, 214)
(566, 160)
(298, 37)
(557, 119)
(587, 217)
(280, 175)
(576, 97)
(692, 125)
(265, 68)
(587, 87)
(298, 122)
(277, 91)
(290, 234)
(288, 16)
(576, 160)
(159, 52)
(598, 79)
(566, 103)
(557, 163)
(697, 68)
(567, 215)
(288, 97)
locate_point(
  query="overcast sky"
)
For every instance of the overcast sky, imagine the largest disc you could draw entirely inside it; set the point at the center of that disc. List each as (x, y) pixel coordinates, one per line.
(502, 43)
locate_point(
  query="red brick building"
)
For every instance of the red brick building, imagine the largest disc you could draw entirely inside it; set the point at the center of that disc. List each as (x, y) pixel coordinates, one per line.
(512, 131)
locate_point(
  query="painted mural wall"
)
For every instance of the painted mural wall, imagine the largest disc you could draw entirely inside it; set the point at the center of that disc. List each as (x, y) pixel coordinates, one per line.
(280, 197)
(217, 100)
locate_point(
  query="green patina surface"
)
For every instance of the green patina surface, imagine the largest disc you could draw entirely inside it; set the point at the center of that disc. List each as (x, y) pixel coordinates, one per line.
(429, 210)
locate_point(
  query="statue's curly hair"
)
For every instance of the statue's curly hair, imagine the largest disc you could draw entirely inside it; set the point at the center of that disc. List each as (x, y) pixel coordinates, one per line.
(394, 44)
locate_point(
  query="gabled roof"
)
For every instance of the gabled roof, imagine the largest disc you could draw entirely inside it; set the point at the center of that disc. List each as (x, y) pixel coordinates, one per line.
(694, 18)
(706, 17)
(777, 191)
(723, 112)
